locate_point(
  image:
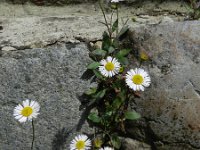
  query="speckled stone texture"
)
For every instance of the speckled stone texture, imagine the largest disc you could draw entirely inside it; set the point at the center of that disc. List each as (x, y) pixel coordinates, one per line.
(51, 76)
(171, 106)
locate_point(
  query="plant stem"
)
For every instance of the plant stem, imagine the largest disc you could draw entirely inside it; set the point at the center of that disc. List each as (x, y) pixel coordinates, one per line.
(117, 31)
(33, 135)
(106, 22)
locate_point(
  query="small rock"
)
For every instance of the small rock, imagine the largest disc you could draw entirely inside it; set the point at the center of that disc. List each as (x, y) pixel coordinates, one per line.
(91, 44)
(97, 45)
(8, 48)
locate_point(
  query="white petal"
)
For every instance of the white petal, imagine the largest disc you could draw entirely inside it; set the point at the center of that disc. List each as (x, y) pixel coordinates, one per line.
(17, 111)
(132, 72)
(23, 119)
(19, 107)
(103, 62)
(18, 116)
(109, 59)
(25, 103)
(36, 106)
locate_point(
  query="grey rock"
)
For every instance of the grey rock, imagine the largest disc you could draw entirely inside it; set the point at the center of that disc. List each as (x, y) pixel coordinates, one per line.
(130, 144)
(171, 106)
(51, 76)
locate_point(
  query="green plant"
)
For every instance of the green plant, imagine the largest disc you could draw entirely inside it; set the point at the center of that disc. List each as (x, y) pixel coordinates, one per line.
(111, 98)
(195, 5)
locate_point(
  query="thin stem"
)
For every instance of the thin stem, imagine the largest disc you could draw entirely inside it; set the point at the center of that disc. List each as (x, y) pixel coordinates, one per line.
(33, 135)
(117, 31)
(106, 22)
(111, 19)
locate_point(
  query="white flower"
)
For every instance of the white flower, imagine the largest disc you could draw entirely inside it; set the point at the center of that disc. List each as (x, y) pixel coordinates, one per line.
(116, 1)
(80, 142)
(27, 111)
(106, 148)
(137, 79)
(109, 66)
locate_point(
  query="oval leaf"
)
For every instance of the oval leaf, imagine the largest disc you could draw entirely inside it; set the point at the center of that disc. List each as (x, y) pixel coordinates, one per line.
(99, 52)
(100, 94)
(123, 60)
(116, 141)
(91, 91)
(93, 65)
(106, 43)
(111, 49)
(123, 52)
(115, 25)
(94, 117)
(123, 31)
(132, 115)
(98, 74)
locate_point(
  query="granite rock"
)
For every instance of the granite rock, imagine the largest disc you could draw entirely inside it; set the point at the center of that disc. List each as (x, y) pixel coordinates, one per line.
(51, 76)
(171, 106)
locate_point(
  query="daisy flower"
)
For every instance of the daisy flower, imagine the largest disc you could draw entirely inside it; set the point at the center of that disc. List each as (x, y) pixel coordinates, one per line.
(106, 148)
(138, 79)
(109, 66)
(80, 142)
(27, 111)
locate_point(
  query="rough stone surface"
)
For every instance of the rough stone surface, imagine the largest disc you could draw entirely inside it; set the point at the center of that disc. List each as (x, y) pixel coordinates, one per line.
(8, 48)
(49, 2)
(130, 144)
(51, 76)
(171, 106)
(30, 26)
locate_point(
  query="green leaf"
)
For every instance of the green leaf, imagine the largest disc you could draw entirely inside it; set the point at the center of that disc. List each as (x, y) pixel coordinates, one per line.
(98, 74)
(99, 52)
(91, 91)
(93, 65)
(115, 26)
(123, 53)
(106, 43)
(123, 60)
(109, 113)
(117, 103)
(111, 50)
(94, 117)
(132, 115)
(115, 141)
(115, 43)
(100, 94)
(123, 31)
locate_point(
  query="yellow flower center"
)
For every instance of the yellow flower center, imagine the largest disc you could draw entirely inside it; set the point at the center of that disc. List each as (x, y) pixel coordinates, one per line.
(80, 145)
(27, 111)
(110, 66)
(121, 69)
(137, 79)
(144, 56)
(98, 143)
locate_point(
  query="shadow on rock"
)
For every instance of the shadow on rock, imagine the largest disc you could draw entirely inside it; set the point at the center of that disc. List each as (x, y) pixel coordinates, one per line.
(60, 138)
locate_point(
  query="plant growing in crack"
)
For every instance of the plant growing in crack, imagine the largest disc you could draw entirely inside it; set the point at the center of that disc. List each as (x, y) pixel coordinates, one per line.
(116, 85)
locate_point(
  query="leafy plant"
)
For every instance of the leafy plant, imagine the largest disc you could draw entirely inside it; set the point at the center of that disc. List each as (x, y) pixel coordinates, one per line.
(110, 99)
(195, 5)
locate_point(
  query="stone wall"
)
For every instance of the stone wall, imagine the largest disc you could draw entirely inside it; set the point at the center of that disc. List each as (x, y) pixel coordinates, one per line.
(44, 58)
